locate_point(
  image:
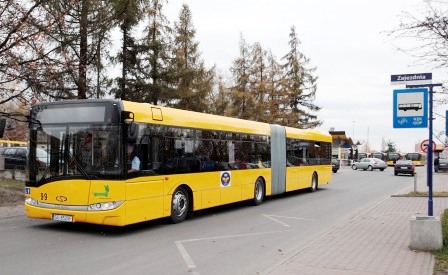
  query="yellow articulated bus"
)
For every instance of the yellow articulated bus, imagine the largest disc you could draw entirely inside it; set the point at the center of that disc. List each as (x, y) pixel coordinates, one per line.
(118, 162)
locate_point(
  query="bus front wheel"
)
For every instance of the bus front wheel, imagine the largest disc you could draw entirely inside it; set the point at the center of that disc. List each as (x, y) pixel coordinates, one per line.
(314, 184)
(259, 192)
(180, 204)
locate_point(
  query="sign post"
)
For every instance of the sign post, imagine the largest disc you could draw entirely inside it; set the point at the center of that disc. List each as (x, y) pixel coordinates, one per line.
(423, 80)
(430, 143)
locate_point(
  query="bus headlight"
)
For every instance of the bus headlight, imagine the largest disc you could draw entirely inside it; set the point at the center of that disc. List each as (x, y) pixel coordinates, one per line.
(101, 206)
(31, 201)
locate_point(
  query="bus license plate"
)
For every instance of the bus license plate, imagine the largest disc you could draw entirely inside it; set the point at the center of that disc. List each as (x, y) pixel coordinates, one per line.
(62, 218)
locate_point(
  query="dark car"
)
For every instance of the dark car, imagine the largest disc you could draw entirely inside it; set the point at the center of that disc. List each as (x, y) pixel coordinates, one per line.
(16, 157)
(442, 166)
(335, 165)
(404, 167)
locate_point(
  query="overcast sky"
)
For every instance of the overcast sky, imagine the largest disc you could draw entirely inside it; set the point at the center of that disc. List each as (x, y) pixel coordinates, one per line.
(344, 39)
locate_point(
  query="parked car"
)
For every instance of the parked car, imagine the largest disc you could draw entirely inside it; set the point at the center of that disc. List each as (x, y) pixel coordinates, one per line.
(404, 167)
(369, 164)
(442, 166)
(335, 165)
(16, 157)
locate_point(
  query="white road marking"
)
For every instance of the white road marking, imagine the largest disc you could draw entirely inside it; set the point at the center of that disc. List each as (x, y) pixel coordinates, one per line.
(271, 217)
(192, 266)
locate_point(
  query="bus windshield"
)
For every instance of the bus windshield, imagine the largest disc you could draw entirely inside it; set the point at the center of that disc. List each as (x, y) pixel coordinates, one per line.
(81, 150)
(413, 156)
(393, 156)
(78, 148)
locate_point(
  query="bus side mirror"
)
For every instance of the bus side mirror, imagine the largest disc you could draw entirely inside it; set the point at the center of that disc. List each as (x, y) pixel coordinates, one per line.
(127, 117)
(2, 126)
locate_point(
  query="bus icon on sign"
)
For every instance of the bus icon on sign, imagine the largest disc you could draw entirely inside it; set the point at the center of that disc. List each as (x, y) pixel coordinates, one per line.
(410, 106)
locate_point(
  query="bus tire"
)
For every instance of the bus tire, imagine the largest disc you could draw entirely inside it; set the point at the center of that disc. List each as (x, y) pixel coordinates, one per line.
(259, 192)
(180, 205)
(314, 184)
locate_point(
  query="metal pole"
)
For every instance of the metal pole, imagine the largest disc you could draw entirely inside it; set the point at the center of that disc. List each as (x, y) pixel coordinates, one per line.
(415, 182)
(430, 150)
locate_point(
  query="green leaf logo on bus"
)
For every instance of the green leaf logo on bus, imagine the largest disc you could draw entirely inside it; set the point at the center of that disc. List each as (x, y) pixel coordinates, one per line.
(103, 194)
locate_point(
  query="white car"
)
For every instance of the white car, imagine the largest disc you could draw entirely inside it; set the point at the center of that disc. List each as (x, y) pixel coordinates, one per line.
(369, 164)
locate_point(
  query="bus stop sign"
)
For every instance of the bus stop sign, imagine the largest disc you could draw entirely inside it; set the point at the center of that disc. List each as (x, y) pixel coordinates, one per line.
(410, 108)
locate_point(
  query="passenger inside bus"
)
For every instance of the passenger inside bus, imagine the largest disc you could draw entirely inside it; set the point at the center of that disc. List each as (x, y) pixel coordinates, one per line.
(133, 156)
(86, 150)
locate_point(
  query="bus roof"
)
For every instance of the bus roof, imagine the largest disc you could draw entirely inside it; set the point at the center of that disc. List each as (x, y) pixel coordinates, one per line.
(308, 134)
(144, 112)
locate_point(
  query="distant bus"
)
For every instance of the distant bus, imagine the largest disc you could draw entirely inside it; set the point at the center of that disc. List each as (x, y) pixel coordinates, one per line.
(362, 155)
(379, 155)
(392, 157)
(418, 159)
(12, 143)
(188, 161)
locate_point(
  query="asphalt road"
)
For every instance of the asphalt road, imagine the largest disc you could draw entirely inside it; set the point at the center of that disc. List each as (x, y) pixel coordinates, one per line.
(235, 239)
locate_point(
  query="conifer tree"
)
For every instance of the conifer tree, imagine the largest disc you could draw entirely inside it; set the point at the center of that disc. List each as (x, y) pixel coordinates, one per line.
(300, 85)
(257, 83)
(128, 14)
(155, 72)
(242, 99)
(195, 81)
(220, 101)
(277, 99)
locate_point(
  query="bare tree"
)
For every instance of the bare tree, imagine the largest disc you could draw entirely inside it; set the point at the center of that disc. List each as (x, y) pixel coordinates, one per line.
(21, 44)
(428, 32)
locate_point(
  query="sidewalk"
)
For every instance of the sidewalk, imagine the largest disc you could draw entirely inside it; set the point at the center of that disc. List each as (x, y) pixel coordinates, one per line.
(374, 241)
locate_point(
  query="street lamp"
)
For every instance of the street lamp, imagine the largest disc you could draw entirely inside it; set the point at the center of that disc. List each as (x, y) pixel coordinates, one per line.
(353, 131)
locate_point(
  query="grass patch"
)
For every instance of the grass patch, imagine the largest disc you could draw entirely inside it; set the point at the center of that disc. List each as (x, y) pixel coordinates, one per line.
(441, 255)
(12, 184)
(11, 192)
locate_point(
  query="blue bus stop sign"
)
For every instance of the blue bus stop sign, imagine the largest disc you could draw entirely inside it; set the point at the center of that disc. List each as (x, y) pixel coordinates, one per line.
(411, 108)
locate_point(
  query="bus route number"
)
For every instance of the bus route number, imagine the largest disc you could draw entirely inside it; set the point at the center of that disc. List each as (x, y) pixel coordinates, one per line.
(43, 196)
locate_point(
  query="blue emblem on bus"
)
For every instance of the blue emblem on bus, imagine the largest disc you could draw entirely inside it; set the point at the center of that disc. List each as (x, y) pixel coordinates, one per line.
(27, 191)
(225, 179)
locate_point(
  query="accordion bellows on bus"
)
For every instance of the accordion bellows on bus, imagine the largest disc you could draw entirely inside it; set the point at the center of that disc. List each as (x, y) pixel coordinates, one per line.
(117, 162)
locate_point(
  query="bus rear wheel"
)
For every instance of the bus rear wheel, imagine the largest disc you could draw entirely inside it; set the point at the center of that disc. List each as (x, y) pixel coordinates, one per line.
(180, 204)
(259, 192)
